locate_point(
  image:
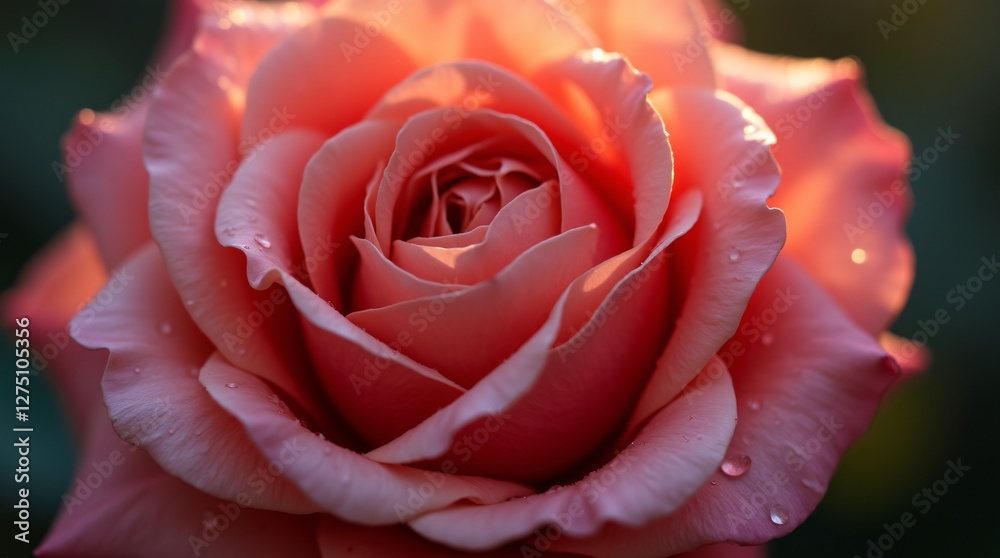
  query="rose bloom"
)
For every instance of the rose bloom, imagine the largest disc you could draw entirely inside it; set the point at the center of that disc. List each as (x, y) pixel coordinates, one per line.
(433, 278)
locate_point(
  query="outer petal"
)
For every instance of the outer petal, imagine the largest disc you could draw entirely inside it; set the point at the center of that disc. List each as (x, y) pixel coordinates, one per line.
(663, 38)
(152, 393)
(343, 483)
(806, 394)
(720, 147)
(138, 509)
(843, 187)
(726, 550)
(670, 459)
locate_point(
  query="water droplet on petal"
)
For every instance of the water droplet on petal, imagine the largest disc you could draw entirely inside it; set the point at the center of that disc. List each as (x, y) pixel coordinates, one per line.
(754, 404)
(171, 431)
(736, 465)
(166, 329)
(767, 339)
(779, 515)
(734, 255)
(714, 483)
(232, 385)
(686, 439)
(262, 240)
(230, 231)
(749, 129)
(189, 302)
(136, 370)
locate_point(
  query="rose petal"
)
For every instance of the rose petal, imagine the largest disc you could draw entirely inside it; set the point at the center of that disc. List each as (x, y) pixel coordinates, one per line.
(342, 482)
(544, 419)
(720, 147)
(669, 460)
(815, 385)
(451, 334)
(664, 38)
(152, 393)
(843, 187)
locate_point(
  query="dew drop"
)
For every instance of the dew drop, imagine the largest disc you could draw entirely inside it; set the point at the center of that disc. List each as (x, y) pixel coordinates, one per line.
(230, 231)
(171, 431)
(736, 465)
(136, 370)
(749, 129)
(232, 385)
(754, 404)
(779, 515)
(166, 329)
(767, 339)
(734, 255)
(714, 483)
(686, 439)
(189, 302)
(262, 240)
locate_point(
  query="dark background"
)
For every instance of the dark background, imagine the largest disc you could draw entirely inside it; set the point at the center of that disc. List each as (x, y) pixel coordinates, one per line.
(938, 70)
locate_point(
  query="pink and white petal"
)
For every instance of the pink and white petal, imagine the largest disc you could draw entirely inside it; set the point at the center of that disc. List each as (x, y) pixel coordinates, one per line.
(670, 459)
(449, 328)
(546, 419)
(815, 386)
(192, 152)
(911, 356)
(53, 287)
(337, 539)
(721, 148)
(663, 38)
(471, 30)
(152, 392)
(342, 482)
(843, 183)
(140, 508)
(332, 202)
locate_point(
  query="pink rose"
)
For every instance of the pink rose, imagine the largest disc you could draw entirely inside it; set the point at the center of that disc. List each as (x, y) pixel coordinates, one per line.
(431, 278)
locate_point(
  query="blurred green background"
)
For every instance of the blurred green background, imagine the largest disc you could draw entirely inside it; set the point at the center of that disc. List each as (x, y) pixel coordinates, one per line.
(938, 70)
